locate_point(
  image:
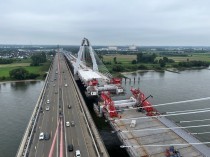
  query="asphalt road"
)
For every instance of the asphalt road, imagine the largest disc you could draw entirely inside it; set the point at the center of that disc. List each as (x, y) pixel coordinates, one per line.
(59, 94)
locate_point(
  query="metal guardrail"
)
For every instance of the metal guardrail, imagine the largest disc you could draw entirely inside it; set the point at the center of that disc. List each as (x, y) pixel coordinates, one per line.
(29, 132)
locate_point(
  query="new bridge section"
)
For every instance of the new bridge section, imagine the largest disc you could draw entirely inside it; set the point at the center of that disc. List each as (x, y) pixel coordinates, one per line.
(59, 92)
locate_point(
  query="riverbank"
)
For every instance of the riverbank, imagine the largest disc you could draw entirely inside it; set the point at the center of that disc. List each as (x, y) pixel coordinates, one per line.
(31, 80)
(173, 70)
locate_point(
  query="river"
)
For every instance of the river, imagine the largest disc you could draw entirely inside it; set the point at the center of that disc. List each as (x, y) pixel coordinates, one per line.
(17, 101)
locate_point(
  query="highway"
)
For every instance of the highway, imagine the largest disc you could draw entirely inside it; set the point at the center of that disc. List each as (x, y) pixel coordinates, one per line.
(60, 92)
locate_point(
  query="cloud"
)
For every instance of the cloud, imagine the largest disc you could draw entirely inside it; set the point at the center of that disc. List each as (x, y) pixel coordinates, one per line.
(117, 22)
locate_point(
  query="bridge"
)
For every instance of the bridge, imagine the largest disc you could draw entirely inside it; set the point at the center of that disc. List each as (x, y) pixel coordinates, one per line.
(61, 119)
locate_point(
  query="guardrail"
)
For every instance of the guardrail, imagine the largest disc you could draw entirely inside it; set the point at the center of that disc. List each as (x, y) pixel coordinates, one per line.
(96, 138)
(29, 132)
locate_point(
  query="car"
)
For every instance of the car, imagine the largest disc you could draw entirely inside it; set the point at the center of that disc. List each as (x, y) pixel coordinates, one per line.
(41, 136)
(46, 136)
(66, 85)
(54, 85)
(72, 123)
(69, 106)
(67, 124)
(78, 153)
(70, 147)
(48, 101)
(47, 108)
(41, 110)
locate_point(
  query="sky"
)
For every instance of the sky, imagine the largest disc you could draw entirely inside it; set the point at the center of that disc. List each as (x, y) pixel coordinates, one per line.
(106, 22)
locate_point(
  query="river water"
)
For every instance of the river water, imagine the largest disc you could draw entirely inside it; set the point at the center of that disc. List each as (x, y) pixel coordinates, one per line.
(17, 101)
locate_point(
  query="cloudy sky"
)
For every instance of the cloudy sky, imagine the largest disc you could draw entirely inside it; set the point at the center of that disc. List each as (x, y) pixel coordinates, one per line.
(106, 22)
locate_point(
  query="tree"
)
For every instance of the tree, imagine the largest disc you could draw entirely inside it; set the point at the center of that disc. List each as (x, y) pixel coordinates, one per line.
(19, 74)
(146, 58)
(115, 60)
(38, 58)
(165, 59)
(133, 61)
(162, 63)
(139, 57)
(118, 68)
(100, 56)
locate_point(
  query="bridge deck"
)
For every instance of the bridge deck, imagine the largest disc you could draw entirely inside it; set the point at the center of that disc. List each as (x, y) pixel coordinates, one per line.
(61, 93)
(139, 139)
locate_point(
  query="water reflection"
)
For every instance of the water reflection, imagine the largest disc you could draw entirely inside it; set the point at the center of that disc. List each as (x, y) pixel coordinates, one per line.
(23, 86)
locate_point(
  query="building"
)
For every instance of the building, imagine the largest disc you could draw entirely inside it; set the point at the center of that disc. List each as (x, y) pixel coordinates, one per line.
(132, 47)
(113, 48)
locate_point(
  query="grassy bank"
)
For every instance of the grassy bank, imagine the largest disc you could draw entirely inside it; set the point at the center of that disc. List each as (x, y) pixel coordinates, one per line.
(124, 62)
(41, 70)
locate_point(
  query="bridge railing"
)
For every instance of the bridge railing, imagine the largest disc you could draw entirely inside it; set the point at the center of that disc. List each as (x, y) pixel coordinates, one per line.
(96, 138)
(29, 132)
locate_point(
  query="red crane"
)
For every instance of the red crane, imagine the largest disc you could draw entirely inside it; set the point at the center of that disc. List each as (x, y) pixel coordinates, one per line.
(109, 104)
(143, 102)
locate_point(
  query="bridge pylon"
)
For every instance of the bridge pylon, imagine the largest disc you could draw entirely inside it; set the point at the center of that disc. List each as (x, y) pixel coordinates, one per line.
(81, 55)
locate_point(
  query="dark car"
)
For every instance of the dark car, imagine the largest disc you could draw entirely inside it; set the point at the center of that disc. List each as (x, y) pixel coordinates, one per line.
(46, 136)
(69, 106)
(70, 147)
(41, 110)
(72, 123)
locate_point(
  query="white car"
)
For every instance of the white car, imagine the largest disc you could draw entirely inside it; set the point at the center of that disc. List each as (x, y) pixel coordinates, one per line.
(47, 108)
(67, 124)
(48, 101)
(78, 153)
(66, 85)
(41, 136)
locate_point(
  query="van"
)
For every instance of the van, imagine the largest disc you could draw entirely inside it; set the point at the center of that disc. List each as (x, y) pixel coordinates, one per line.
(46, 136)
(70, 147)
(78, 153)
(133, 123)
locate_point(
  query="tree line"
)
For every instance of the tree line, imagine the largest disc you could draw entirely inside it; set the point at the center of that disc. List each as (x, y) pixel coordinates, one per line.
(38, 58)
(6, 61)
(22, 74)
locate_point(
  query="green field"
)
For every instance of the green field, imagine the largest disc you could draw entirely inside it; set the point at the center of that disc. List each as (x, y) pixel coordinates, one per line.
(125, 62)
(126, 59)
(6, 68)
(191, 57)
(14, 65)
